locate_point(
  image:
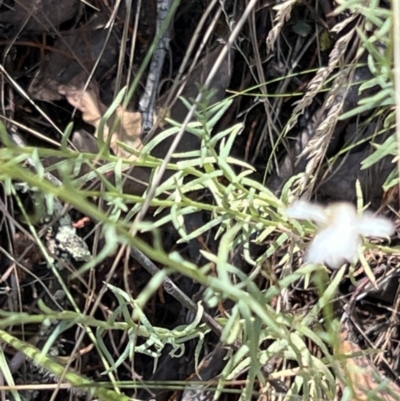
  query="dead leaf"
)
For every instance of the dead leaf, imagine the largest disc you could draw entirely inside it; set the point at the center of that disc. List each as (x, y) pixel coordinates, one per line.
(128, 129)
(359, 373)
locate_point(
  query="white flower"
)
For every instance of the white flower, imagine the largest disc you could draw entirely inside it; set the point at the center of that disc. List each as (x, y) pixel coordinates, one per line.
(341, 228)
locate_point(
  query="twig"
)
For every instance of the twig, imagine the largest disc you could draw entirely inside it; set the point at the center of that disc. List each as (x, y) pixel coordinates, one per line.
(172, 289)
(147, 101)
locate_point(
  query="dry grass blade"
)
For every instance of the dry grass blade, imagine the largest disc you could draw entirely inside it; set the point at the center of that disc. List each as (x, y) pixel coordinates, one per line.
(283, 14)
(323, 74)
(318, 145)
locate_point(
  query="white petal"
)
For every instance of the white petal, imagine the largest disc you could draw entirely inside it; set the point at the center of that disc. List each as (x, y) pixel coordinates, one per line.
(333, 246)
(342, 214)
(304, 210)
(370, 226)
